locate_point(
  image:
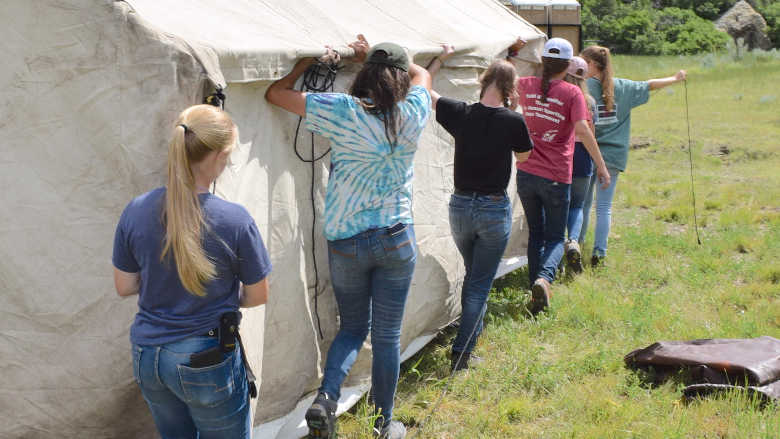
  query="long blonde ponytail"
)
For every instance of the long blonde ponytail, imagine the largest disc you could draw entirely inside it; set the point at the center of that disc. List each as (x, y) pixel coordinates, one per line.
(602, 58)
(199, 130)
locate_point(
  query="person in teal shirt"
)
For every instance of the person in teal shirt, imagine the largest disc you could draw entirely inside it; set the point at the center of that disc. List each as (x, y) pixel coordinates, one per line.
(615, 98)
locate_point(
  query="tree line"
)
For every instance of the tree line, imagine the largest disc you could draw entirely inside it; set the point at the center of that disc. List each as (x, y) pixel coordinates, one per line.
(666, 27)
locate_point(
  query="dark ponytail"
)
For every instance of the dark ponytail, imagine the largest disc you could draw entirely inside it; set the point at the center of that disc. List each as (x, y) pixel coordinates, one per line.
(379, 88)
(550, 68)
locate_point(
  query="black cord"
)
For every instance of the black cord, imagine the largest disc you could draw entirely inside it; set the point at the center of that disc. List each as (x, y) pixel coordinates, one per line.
(690, 160)
(435, 406)
(318, 78)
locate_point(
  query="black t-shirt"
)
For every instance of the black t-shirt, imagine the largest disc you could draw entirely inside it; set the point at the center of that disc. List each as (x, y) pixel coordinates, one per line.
(484, 138)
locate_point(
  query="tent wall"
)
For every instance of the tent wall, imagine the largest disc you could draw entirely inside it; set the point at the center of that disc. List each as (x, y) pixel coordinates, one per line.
(90, 91)
(88, 94)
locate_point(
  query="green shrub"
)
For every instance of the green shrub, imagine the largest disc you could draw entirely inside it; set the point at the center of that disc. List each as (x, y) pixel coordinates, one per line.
(636, 28)
(772, 16)
(685, 33)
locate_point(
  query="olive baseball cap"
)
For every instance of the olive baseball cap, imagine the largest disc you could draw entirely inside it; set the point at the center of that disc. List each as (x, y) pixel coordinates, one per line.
(389, 54)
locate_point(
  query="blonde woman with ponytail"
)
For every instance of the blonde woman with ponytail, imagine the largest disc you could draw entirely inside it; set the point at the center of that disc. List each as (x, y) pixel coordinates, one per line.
(615, 98)
(554, 111)
(191, 258)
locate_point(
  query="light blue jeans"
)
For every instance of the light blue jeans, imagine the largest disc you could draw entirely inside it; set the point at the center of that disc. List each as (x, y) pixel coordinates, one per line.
(199, 403)
(371, 273)
(579, 188)
(603, 211)
(480, 226)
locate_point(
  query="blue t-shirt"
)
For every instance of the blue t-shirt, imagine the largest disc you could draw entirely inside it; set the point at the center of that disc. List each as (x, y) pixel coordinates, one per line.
(613, 128)
(370, 184)
(166, 311)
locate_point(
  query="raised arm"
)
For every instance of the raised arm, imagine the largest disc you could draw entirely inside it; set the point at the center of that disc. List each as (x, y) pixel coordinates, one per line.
(659, 83)
(282, 93)
(583, 132)
(435, 66)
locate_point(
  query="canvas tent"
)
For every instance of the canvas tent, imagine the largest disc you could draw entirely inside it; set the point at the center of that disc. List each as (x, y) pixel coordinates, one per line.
(90, 89)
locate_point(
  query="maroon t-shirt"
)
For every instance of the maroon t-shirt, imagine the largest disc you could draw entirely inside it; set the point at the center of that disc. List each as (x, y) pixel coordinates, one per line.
(551, 125)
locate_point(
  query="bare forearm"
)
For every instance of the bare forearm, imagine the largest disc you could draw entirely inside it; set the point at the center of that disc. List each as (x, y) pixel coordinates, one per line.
(434, 66)
(586, 135)
(655, 84)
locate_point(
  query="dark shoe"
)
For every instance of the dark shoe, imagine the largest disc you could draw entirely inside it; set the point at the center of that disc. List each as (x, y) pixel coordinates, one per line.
(321, 417)
(393, 430)
(573, 257)
(540, 296)
(467, 361)
(596, 260)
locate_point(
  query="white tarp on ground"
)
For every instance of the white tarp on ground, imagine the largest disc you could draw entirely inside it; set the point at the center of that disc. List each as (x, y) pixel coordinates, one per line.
(88, 92)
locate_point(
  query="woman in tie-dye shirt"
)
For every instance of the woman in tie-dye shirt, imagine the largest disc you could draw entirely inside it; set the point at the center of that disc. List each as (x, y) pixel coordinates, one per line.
(372, 249)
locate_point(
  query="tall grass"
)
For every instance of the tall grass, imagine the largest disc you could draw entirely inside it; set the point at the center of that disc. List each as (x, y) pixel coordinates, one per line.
(562, 375)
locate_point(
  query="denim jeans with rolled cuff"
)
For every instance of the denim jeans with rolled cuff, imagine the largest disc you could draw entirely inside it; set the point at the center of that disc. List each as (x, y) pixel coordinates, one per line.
(604, 199)
(546, 206)
(480, 226)
(208, 403)
(371, 273)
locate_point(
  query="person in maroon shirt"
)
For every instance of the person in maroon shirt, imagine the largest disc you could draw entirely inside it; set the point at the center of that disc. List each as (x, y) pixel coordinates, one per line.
(554, 111)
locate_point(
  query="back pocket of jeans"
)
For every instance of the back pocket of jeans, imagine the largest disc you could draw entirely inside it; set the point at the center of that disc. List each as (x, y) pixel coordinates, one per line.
(400, 244)
(208, 386)
(343, 247)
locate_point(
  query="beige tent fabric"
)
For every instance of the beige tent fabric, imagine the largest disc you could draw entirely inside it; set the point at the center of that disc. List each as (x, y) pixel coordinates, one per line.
(90, 91)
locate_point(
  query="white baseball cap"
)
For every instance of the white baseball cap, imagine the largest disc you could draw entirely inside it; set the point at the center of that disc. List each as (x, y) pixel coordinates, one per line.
(558, 48)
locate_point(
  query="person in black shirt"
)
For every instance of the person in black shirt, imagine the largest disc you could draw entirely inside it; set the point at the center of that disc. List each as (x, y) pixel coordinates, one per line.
(486, 133)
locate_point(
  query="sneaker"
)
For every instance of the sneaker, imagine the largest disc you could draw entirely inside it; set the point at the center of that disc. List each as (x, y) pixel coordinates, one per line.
(540, 296)
(573, 257)
(393, 430)
(596, 260)
(467, 361)
(321, 417)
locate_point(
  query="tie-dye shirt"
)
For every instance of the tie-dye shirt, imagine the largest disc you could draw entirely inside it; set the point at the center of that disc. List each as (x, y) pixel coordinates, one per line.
(370, 184)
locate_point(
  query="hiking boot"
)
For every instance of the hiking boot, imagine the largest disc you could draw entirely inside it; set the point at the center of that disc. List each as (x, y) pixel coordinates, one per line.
(321, 417)
(393, 430)
(467, 361)
(573, 257)
(596, 260)
(540, 296)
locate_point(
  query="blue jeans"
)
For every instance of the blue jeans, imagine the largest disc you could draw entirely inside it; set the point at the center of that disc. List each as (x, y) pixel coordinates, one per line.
(371, 273)
(480, 226)
(579, 188)
(546, 206)
(603, 211)
(208, 402)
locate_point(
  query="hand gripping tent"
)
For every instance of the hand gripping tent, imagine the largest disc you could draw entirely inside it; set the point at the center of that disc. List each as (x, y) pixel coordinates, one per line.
(90, 89)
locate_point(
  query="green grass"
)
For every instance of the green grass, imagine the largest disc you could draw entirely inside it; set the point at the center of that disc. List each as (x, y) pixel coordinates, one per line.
(562, 375)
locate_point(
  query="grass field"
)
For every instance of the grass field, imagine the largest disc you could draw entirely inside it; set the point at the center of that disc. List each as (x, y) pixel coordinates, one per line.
(562, 375)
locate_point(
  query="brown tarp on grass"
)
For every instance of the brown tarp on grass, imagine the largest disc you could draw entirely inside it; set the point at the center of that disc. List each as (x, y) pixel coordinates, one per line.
(716, 364)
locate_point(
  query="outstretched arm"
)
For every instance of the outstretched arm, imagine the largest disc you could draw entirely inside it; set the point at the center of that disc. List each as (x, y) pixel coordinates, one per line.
(659, 83)
(435, 66)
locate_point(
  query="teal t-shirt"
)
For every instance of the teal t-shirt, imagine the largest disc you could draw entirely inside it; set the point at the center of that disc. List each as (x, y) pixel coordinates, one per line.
(613, 128)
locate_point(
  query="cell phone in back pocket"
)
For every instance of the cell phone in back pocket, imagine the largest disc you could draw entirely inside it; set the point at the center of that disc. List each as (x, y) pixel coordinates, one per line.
(206, 358)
